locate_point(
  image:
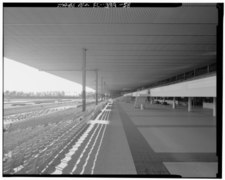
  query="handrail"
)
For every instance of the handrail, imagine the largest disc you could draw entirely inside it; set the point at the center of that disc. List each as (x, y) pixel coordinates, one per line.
(203, 70)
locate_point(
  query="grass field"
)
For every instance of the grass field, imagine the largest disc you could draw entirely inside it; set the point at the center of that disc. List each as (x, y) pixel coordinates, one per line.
(12, 105)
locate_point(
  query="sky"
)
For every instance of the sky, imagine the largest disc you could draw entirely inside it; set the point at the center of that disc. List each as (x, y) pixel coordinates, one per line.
(20, 77)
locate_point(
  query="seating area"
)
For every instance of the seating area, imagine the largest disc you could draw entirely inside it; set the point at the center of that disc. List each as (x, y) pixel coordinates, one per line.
(29, 150)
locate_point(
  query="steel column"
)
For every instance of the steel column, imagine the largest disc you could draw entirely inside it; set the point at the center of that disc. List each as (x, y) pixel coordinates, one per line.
(96, 92)
(102, 88)
(84, 81)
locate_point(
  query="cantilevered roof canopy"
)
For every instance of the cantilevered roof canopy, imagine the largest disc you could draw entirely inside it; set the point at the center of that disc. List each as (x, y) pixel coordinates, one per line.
(130, 47)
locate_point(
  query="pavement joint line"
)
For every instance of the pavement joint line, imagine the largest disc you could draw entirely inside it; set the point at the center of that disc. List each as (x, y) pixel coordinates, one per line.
(176, 126)
(147, 163)
(187, 157)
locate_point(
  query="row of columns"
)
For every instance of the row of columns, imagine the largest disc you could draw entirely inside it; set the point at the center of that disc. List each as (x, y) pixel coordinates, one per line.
(190, 104)
(103, 86)
(84, 83)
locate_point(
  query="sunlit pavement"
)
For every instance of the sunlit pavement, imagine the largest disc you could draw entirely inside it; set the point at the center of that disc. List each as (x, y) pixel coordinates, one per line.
(167, 142)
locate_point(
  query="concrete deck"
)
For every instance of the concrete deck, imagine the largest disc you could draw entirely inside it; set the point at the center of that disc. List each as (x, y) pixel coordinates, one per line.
(115, 156)
(159, 140)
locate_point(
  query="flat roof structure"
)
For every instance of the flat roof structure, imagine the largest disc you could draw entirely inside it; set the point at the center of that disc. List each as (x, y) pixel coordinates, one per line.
(129, 47)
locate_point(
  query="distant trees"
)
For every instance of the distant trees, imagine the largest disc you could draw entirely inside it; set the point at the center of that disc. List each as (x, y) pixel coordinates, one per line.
(45, 94)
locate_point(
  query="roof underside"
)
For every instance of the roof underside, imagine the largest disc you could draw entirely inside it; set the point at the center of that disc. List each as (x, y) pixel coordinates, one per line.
(130, 47)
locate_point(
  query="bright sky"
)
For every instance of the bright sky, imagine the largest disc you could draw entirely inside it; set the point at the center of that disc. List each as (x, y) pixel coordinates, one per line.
(20, 77)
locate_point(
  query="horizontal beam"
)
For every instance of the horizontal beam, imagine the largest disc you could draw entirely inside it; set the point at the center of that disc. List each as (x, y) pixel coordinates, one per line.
(113, 35)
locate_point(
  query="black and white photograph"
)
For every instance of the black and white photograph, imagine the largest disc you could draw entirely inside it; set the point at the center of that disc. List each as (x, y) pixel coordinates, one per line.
(114, 89)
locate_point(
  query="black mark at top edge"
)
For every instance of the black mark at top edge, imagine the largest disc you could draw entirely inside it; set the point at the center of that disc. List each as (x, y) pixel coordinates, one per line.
(91, 5)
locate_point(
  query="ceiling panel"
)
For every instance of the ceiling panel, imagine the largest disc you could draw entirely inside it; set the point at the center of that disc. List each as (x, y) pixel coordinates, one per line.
(108, 29)
(186, 14)
(130, 47)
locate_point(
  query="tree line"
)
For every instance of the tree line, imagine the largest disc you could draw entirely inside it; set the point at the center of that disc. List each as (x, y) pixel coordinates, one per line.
(47, 94)
(34, 94)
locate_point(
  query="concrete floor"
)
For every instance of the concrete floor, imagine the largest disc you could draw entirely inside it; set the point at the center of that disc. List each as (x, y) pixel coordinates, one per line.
(159, 140)
(115, 156)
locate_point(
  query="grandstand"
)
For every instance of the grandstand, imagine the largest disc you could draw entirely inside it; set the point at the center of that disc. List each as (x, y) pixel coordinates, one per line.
(155, 70)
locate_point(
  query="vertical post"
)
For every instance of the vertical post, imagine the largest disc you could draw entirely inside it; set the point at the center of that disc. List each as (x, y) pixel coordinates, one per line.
(84, 81)
(96, 92)
(189, 104)
(214, 106)
(102, 88)
(174, 103)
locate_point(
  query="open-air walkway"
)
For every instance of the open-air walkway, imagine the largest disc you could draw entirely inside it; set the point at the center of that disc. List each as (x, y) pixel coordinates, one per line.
(159, 140)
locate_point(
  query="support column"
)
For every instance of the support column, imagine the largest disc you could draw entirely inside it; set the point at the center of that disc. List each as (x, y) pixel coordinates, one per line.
(101, 88)
(104, 90)
(214, 106)
(174, 103)
(96, 92)
(84, 81)
(189, 104)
